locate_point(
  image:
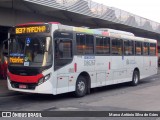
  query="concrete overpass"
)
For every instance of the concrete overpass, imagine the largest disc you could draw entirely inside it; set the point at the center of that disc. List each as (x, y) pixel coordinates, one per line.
(75, 12)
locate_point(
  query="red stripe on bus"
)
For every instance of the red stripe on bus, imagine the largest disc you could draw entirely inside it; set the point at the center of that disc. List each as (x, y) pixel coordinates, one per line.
(24, 79)
(105, 33)
(54, 22)
(109, 66)
(75, 67)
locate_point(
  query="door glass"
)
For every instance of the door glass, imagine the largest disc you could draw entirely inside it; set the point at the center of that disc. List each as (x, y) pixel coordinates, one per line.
(63, 52)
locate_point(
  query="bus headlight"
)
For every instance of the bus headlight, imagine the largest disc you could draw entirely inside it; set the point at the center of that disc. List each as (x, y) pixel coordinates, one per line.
(44, 79)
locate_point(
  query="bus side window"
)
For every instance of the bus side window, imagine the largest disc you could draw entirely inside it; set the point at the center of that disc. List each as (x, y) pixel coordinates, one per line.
(85, 44)
(146, 48)
(80, 40)
(102, 45)
(138, 48)
(99, 45)
(128, 47)
(89, 44)
(117, 46)
(152, 49)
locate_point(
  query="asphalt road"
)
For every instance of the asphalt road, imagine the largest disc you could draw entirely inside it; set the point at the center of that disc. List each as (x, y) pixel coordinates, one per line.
(122, 97)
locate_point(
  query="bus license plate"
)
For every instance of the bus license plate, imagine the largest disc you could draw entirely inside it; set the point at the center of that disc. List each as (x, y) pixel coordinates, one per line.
(22, 86)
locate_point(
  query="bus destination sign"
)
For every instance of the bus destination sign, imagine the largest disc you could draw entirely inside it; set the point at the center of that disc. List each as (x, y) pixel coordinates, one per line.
(31, 29)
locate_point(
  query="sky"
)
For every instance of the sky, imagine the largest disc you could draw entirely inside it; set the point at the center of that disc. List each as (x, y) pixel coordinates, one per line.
(149, 9)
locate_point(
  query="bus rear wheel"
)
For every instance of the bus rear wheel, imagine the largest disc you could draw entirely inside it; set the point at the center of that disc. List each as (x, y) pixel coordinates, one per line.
(135, 78)
(81, 87)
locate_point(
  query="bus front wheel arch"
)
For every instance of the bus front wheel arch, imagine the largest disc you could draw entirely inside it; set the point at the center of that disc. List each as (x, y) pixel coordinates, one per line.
(82, 85)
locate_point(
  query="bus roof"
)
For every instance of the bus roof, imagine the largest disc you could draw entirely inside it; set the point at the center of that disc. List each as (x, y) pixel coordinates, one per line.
(112, 31)
(107, 32)
(99, 31)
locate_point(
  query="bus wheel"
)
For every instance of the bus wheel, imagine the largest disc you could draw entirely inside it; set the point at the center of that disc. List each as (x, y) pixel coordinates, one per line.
(81, 87)
(135, 78)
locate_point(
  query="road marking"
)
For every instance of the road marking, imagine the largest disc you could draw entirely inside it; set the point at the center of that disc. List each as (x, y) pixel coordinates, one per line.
(67, 108)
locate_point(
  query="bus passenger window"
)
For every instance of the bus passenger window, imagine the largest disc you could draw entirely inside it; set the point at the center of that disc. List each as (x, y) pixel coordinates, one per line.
(146, 48)
(85, 44)
(138, 49)
(80, 39)
(106, 45)
(152, 49)
(117, 47)
(128, 47)
(99, 45)
(102, 45)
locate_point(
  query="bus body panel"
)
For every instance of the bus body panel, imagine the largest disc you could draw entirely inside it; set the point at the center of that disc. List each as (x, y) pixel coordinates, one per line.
(102, 69)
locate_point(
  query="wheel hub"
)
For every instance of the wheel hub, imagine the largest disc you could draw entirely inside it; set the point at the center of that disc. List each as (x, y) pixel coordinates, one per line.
(81, 86)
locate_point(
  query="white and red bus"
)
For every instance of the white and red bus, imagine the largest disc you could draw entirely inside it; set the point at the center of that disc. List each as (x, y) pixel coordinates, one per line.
(51, 58)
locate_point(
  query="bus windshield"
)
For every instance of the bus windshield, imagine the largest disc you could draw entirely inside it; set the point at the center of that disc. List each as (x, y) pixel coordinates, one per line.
(30, 51)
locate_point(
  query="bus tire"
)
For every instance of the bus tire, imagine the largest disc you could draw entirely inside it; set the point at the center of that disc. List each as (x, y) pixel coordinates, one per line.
(135, 78)
(81, 87)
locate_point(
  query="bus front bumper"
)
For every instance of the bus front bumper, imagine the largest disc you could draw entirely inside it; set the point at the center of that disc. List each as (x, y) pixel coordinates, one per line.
(44, 88)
